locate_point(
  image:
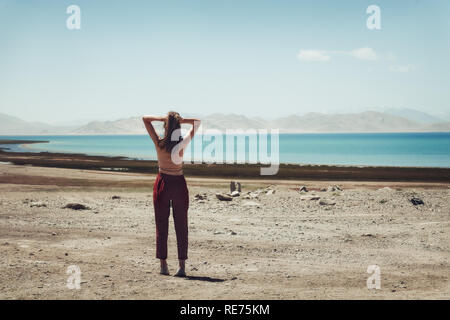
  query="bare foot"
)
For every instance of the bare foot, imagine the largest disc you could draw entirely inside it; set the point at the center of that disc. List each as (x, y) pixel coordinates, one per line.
(180, 273)
(164, 269)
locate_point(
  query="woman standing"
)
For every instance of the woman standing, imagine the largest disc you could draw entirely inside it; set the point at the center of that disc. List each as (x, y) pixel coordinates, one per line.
(170, 187)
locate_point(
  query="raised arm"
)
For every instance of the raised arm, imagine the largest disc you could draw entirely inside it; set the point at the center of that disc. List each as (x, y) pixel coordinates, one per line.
(195, 125)
(150, 129)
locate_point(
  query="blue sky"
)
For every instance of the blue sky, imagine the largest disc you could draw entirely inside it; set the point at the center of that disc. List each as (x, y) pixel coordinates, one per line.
(252, 57)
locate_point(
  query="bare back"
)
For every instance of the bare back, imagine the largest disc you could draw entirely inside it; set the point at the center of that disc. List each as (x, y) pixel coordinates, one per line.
(165, 163)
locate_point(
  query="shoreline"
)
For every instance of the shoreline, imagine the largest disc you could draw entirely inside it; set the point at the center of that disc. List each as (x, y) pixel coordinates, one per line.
(233, 171)
(21, 146)
(7, 141)
(18, 143)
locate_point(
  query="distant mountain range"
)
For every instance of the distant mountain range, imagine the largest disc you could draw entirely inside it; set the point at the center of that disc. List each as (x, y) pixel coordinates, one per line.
(414, 115)
(10, 125)
(393, 120)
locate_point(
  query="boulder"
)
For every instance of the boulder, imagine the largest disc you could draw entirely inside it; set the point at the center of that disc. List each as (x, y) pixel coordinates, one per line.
(334, 188)
(223, 197)
(76, 206)
(37, 204)
(235, 193)
(325, 202)
(417, 201)
(309, 198)
(199, 196)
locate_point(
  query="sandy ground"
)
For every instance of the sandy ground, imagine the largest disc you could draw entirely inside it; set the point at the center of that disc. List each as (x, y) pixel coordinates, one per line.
(278, 246)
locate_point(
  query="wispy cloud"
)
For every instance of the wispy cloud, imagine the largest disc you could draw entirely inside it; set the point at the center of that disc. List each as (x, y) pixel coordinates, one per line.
(402, 68)
(364, 54)
(313, 55)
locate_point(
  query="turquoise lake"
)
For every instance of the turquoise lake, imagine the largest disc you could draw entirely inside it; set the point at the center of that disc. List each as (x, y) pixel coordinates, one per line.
(377, 149)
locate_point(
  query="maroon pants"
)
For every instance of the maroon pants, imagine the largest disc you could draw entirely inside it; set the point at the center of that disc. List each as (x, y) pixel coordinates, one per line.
(171, 189)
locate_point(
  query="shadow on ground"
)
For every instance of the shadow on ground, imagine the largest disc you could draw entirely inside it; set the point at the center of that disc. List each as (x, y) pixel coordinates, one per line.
(208, 279)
